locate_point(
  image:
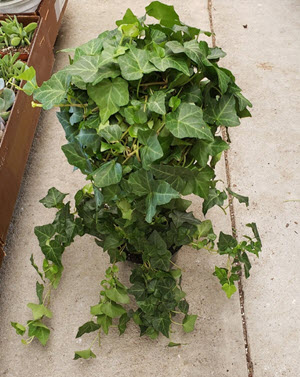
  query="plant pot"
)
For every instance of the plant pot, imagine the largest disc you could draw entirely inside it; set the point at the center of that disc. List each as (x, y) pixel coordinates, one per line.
(137, 258)
(24, 51)
(23, 55)
(15, 145)
(19, 6)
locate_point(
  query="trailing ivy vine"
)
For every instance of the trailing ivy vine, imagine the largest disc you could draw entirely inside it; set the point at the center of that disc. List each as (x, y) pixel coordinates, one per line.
(141, 107)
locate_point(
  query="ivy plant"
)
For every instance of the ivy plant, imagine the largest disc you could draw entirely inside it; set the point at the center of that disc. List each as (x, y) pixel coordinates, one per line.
(141, 106)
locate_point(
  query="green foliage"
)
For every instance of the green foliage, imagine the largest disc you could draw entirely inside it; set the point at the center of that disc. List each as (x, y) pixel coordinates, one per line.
(14, 34)
(11, 67)
(141, 107)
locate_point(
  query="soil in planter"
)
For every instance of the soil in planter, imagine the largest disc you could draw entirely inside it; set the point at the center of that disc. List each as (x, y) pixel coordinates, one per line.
(24, 51)
(137, 258)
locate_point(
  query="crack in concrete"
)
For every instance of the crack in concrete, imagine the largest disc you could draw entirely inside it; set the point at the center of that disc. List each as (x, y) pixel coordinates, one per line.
(233, 219)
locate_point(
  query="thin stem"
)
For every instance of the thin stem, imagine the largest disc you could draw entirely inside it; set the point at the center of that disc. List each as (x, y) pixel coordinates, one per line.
(47, 294)
(131, 154)
(176, 323)
(95, 339)
(125, 133)
(154, 83)
(174, 264)
(29, 340)
(223, 209)
(138, 87)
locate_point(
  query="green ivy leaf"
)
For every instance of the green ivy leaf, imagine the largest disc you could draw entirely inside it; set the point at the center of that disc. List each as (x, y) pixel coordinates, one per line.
(215, 197)
(112, 309)
(183, 306)
(86, 354)
(110, 70)
(216, 53)
(170, 61)
(187, 121)
(172, 344)
(129, 18)
(156, 102)
(138, 290)
(36, 267)
(108, 174)
(40, 331)
(53, 252)
(109, 95)
(223, 79)
(54, 198)
(124, 319)
(229, 289)
(226, 242)
(188, 322)
(105, 322)
(118, 295)
(222, 112)
(240, 198)
(44, 233)
(112, 133)
(38, 311)
(87, 328)
(158, 192)
(86, 67)
(255, 232)
(202, 149)
(161, 262)
(92, 47)
(179, 218)
(152, 150)
(53, 91)
(135, 63)
(39, 291)
(76, 156)
(162, 324)
(161, 193)
(20, 329)
(165, 14)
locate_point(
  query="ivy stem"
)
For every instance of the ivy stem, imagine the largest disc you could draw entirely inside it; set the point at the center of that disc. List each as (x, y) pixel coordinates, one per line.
(125, 133)
(174, 311)
(176, 323)
(229, 266)
(154, 83)
(138, 87)
(131, 154)
(93, 342)
(29, 340)
(174, 264)
(47, 294)
(162, 125)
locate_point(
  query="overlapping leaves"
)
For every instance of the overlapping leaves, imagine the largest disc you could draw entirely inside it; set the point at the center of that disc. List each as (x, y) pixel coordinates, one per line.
(141, 108)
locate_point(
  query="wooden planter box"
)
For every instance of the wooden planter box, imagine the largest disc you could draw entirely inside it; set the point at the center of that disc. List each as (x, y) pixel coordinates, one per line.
(21, 125)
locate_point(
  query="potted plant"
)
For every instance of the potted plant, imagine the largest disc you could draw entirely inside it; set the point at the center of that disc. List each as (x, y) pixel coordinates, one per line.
(141, 107)
(10, 70)
(14, 37)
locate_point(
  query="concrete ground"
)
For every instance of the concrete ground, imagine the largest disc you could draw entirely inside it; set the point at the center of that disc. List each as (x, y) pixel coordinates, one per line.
(262, 43)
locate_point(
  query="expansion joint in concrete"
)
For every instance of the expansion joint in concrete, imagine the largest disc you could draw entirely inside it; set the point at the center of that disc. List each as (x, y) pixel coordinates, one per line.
(233, 218)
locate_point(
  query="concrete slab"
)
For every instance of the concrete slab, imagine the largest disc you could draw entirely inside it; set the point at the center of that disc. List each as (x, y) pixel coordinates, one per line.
(214, 349)
(264, 162)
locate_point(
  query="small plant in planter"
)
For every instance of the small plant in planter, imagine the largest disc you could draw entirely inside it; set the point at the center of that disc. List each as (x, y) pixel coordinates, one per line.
(141, 107)
(14, 36)
(7, 99)
(11, 67)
